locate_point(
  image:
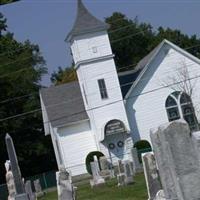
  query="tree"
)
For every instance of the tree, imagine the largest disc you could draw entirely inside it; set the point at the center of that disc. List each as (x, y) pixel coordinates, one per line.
(21, 69)
(64, 76)
(2, 2)
(3, 25)
(130, 40)
(182, 40)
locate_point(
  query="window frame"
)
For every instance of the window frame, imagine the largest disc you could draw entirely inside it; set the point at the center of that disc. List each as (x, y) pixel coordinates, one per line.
(102, 89)
(168, 108)
(180, 108)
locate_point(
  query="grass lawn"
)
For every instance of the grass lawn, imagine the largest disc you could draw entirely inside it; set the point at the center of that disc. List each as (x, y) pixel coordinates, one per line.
(110, 191)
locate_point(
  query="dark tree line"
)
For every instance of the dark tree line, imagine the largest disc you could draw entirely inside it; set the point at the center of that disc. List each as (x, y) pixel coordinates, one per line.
(131, 40)
(21, 69)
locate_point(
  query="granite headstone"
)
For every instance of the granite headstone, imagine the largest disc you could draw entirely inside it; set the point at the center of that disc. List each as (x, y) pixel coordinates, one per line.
(97, 179)
(38, 188)
(29, 191)
(177, 161)
(136, 163)
(19, 186)
(128, 171)
(65, 188)
(10, 181)
(151, 175)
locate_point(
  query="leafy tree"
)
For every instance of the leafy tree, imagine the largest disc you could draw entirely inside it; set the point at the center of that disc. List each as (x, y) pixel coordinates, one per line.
(2, 2)
(129, 50)
(129, 39)
(64, 76)
(182, 40)
(3, 25)
(21, 69)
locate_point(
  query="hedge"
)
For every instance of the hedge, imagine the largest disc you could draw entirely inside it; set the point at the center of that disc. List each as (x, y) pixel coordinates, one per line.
(90, 158)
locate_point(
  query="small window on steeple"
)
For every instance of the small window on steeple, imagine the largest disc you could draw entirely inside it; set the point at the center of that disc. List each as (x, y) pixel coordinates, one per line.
(102, 89)
(94, 49)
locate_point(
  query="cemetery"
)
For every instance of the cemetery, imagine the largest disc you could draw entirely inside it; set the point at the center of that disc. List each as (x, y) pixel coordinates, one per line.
(95, 137)
(171, 171)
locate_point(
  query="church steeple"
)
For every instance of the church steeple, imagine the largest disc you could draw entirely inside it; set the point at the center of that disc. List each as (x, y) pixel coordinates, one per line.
(85, 22)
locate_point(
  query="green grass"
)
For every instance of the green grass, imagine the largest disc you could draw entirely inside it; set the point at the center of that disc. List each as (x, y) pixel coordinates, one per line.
(110, 191)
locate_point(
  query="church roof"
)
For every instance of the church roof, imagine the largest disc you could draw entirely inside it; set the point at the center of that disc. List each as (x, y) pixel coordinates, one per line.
(85, 22)
(127, 78)
(64, 104)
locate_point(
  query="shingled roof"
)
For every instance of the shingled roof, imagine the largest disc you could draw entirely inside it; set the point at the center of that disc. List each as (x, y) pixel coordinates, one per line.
(64, 104)
(85, 22)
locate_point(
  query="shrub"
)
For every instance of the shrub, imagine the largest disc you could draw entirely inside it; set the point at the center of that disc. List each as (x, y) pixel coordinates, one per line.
(142, 146)
(90, 158)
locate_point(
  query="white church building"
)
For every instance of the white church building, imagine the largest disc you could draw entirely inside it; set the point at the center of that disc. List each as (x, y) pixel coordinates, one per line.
(109, 112)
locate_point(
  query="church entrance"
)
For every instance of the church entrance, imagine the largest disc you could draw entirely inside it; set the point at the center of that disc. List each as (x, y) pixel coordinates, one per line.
(115, 136)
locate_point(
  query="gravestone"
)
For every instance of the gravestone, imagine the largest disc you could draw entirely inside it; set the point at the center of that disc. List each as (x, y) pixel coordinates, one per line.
(163, 162)
(104, 164)
(128, 172)
(66, 191)
(10, 181)
(177, 161)
(160, 195)
(121, 174)
(19, 186)
(97, 179)
(120, 167)
(96, 163)
(105, 171)
(136, 163)
(121, 180)
(196, 141)
(29, 191)
(38, 188)
(151, 175)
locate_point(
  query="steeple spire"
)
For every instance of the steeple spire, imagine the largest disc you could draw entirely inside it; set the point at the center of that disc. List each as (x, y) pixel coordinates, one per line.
(85, 22)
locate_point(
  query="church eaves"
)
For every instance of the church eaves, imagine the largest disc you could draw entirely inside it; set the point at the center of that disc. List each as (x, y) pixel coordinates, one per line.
(85, 22)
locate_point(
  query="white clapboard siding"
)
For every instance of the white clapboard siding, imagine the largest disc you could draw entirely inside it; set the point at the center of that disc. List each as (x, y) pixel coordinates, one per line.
(147, 110)
(76, 142)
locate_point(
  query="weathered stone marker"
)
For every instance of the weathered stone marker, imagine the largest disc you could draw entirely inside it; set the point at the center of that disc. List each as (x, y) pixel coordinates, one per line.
(38, 188)
(97, 179)
(164, 166)
(136, 163)
(29, 191)
(10, 181)
(104, 163)
(151, 175)
(121, 174)
(120, 167)
(19, 186)
(128, 171)
(177, 161)
(105, 172)
(196, 141)
(96, 161)
(66, 190)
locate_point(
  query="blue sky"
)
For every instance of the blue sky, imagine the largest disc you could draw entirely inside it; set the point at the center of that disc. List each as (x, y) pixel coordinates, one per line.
(47, 22)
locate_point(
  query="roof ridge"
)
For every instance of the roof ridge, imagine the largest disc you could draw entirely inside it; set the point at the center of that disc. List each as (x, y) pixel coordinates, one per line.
(85, 22)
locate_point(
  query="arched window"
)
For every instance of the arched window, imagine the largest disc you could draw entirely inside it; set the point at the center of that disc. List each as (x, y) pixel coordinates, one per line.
(172, 108)
(179, 105)
(188, 111)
